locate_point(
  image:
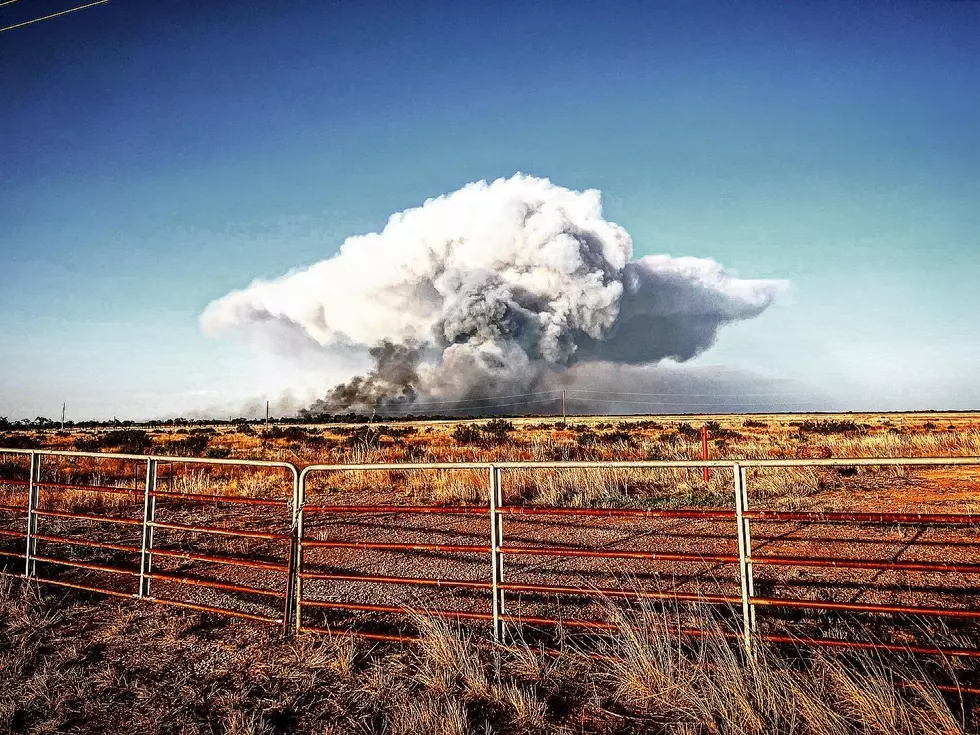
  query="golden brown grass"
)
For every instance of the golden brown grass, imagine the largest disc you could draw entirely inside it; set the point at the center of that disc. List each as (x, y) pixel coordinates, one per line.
(597, 438)
(71, 665)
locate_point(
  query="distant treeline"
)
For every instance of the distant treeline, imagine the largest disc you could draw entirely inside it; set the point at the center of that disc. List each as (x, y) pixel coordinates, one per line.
(306, 417)
(42, 423)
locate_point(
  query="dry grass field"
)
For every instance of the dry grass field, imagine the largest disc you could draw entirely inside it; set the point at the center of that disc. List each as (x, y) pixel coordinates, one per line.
(596, 439)
(78, 663)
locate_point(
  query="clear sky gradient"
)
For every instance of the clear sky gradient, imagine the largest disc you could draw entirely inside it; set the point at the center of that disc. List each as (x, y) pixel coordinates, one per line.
(154, 156)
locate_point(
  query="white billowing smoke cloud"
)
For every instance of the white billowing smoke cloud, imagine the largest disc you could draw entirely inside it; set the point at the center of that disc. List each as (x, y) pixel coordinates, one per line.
(491, 289)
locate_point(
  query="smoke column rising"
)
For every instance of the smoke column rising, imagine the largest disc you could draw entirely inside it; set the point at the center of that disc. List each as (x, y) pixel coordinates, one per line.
(490, 290)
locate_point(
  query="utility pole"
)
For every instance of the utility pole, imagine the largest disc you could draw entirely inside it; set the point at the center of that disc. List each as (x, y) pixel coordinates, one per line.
(564, 415)
(63, 406)
(267, 413)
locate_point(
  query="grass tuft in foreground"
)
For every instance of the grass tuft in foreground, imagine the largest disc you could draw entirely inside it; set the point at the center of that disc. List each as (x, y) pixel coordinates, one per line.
(87, 665)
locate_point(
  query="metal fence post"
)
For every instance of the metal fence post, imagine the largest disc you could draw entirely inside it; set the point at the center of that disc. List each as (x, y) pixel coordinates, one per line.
(30, 542)
(149, 513)
(297, 570)
(496, 557)
(291, 556)
(744, 555)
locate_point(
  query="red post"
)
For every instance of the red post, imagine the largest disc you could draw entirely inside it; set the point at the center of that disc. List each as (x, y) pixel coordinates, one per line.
(704, 451)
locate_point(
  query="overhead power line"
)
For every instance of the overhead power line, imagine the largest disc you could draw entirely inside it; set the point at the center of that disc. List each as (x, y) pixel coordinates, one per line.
(48, 17)
(485, 400)
(768, 394)
(415, 409)
(480, 402)
(684, 403)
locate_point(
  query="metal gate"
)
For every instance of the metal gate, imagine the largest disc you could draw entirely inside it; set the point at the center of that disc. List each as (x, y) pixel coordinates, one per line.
(248, 539)
(156, 528)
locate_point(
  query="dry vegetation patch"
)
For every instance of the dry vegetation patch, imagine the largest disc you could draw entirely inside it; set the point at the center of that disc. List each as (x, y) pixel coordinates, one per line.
(76, 665)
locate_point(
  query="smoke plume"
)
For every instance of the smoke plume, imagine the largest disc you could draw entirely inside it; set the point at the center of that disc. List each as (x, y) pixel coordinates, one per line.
(491, 290)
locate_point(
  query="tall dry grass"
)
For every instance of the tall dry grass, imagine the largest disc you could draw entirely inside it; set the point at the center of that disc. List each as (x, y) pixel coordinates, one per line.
(581, 439)
(71, 665)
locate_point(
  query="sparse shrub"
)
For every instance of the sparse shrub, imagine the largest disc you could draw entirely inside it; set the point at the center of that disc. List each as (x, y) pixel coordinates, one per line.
(497, 431)
(754, 424)
(289, 433)
(724, 433)
(618, 437)
(829, 426)
(361, 438)
(467, 434)
(245, 429)
(122, 441)
(497, 426)
(218, 452)
(193, 445)
(646, 424)
(397, 432)
(687, 430)
(19, 441)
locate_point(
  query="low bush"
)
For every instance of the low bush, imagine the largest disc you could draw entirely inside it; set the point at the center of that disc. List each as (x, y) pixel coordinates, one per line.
(122, 441)
(497, 431)
(193, 445)
(467, 434)
(829, 426)
(19, 441)
(289, 433)
(618, 437)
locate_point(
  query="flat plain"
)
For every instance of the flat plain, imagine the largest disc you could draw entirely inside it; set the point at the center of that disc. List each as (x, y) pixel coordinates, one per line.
(693, 585)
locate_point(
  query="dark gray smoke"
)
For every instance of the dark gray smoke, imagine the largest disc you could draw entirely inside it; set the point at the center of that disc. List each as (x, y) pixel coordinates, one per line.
(391, 384)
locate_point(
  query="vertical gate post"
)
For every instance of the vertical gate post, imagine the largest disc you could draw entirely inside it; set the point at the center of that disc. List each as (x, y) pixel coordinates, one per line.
(294, 545)
(297, 570)
(30, 542)
(149, 513)
(496, 558)
(744, 555)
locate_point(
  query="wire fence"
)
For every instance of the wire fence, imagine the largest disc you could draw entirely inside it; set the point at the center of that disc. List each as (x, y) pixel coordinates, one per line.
(267, 542)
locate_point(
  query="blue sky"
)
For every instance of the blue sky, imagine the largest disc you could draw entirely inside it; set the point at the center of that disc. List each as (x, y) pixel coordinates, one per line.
(154, 156)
